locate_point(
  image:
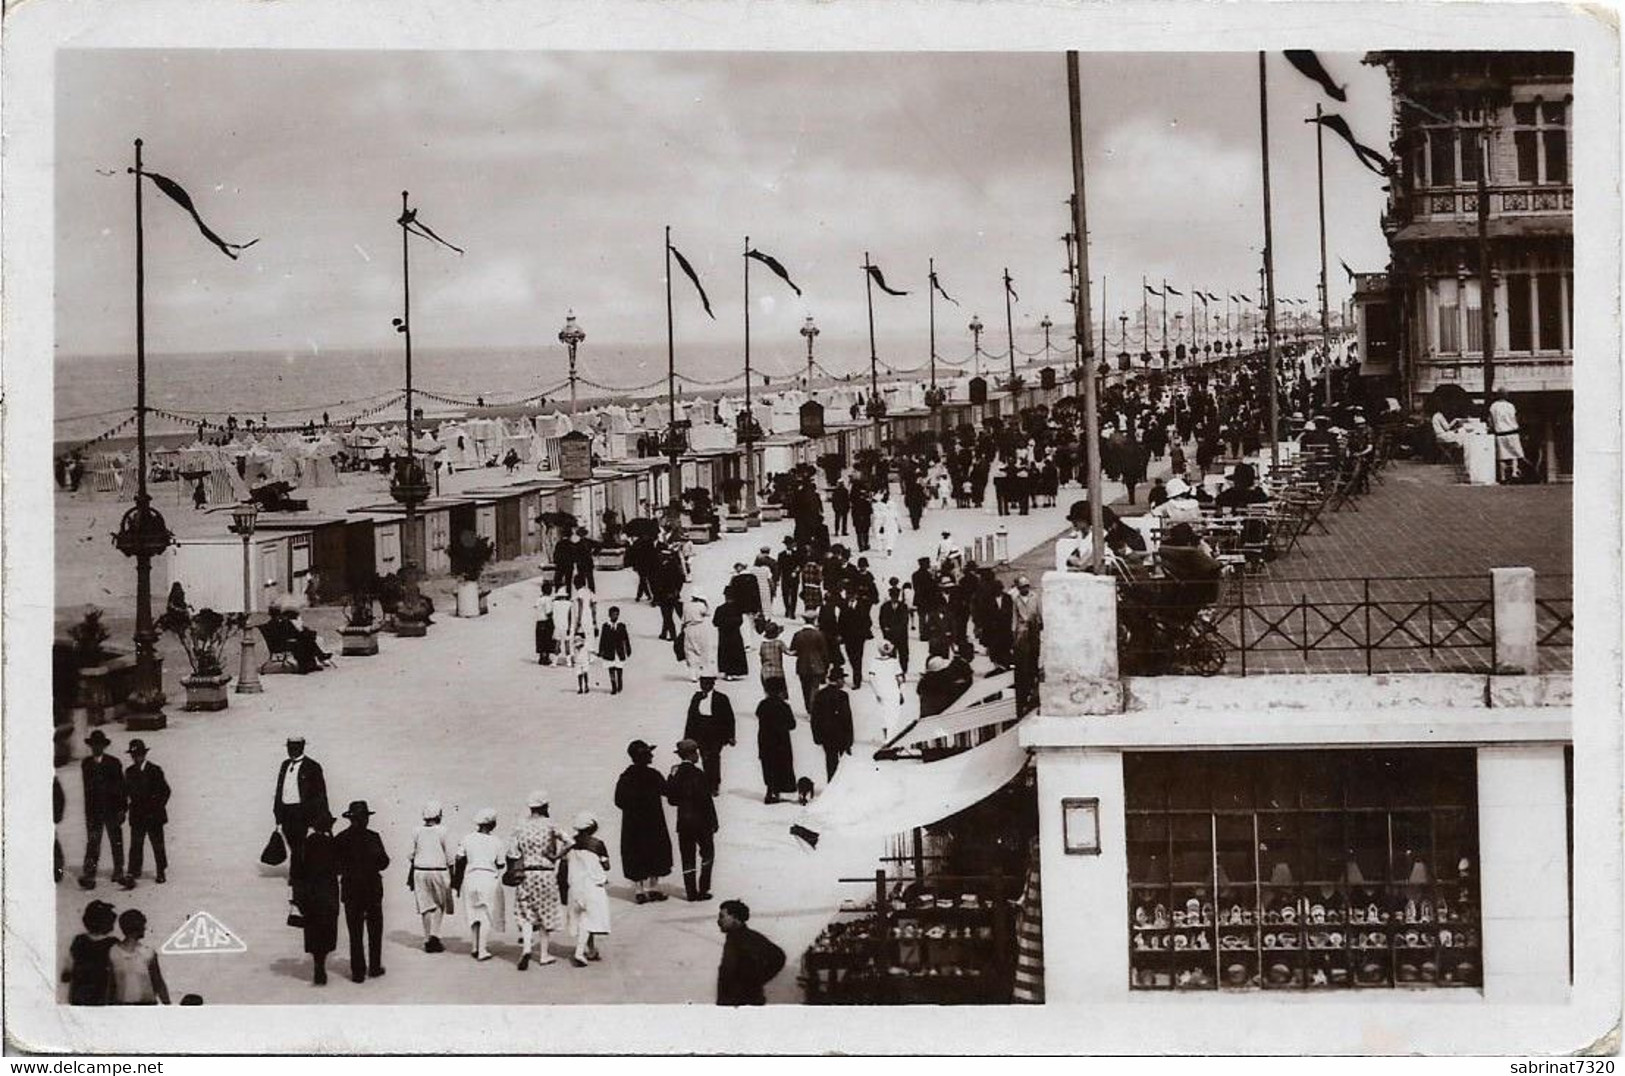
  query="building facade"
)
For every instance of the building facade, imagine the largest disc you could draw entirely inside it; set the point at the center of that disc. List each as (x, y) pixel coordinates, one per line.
(1494, 125)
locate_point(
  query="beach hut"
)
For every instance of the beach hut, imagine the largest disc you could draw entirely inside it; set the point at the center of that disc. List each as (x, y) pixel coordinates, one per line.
(210, 568)
(318, 545)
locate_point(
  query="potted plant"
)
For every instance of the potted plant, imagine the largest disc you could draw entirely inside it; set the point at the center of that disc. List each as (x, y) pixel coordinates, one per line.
(360, 630)
(469, 555)
(388, 591)
(935, 397)
(701, 525)
(774, 495)
(610, 554)
(203, 636)
(732, 489)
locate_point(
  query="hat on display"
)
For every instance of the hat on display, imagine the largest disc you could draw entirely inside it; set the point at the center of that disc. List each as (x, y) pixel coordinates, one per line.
(686, 747)
(97, 738)
(537, 798)
(137, 747)
(432, 809)
(300, 740)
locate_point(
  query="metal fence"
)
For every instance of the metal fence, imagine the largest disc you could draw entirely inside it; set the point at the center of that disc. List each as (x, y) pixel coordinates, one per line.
(1255, 625)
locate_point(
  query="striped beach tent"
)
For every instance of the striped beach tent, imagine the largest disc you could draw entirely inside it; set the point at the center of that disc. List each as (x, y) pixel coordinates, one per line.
(1029, 985)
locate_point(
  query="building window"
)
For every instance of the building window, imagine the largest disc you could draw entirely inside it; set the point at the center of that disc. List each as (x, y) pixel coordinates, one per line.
(1302, 870)
(1540, 135)
(1520, 336)
(1549, 304)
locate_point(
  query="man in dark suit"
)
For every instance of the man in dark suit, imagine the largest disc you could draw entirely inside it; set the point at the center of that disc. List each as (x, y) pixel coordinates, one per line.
(104, 810)
(831, 721)
(564, 562)
(710, 724)
(749, 959)
(688, 790)
(894, 624)
(301, 793)
(789, 572)
(811, 652)
(147, 793)
(615, 647)
(361, 860)
(840, 503)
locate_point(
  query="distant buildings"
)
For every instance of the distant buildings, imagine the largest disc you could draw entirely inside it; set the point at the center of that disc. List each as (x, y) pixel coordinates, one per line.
(1444, 103)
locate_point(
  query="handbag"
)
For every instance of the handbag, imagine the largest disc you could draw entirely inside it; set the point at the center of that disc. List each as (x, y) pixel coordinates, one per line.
(296, 918)
(276, 850)
(515, 874)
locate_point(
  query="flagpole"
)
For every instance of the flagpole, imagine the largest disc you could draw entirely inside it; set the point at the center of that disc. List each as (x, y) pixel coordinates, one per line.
(1269, 260)
(1085, 338)
(1010, 337)
(874, 359)
(142, 532)
(673, 468)
(1145, 316)
(1325, 316)
(931, 293)
(752, 517)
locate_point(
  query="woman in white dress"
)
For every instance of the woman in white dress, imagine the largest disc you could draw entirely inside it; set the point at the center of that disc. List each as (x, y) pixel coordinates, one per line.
(584, 610)
(584, 876)
(699, 639)
(885, 679)
(481, 859)
(886, 525)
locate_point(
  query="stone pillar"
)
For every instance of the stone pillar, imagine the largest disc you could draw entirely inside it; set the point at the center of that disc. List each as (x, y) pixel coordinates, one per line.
(1515, 634)
(1086, 938)
(1523, 873)
(1080, 646)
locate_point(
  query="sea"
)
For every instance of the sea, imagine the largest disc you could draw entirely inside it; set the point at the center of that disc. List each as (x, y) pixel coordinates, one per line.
(95, 393)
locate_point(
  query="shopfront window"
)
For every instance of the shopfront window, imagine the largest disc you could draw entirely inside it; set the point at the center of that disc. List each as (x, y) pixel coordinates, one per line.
(1302, 870)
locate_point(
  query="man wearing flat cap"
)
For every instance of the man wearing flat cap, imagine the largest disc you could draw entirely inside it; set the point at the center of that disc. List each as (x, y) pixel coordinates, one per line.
(104, 810)
(301, 794)
(688, 790)
(361, 862)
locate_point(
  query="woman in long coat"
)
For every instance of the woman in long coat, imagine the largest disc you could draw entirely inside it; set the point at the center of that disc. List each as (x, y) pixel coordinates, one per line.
(730, 621)
(317, 894)
(773, 724)
(645, 839)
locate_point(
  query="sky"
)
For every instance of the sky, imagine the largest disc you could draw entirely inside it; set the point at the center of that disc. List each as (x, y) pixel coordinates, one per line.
(556, 172)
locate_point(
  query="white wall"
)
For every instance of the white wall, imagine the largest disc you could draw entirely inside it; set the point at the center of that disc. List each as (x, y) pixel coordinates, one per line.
(1085, 897)
(1523, 872)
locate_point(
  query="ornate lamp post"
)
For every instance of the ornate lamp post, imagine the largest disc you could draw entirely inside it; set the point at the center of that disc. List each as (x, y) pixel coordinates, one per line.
(810, 331)
(976, 337)
(1046, 325)
(410, 484)
(571, 337)
(243, 518)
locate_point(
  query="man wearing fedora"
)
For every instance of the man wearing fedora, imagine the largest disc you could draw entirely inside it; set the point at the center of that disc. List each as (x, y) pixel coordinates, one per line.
(361, 862)
(104, 810)
(147, 793)
(301, 794)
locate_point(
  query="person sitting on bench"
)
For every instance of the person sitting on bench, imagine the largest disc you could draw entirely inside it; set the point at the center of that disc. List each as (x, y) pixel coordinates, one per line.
(285, 633)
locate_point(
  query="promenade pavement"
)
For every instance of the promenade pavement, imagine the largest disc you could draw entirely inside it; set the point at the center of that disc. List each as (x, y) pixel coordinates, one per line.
(466, 716)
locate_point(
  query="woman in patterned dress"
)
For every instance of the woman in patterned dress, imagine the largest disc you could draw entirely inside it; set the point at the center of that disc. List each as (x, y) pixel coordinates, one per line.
(535, 849)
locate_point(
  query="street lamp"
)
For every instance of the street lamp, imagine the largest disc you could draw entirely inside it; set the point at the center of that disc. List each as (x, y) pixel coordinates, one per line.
(809, 330)
(1046, 325)
(976, 336)
(243, 518)
(571, 337)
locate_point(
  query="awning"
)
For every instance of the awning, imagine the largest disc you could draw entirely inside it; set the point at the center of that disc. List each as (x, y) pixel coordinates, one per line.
(869, 797)
(985, 703)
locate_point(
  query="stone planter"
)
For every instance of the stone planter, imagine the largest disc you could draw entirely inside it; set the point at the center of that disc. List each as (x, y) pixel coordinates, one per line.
(206, 693)
(359, 642)
(772, 513)
(468, 599)
(610, 558)
(735, 523)
(698, 533)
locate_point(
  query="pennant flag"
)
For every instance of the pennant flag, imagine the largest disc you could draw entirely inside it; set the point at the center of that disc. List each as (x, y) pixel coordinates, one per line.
(410, 221)
(1346, 269)
(1153, 291)
(705, 299)
(1246, 300)
(1170, 289)
(935, 283)
(1009, 286)
(178, 194)
(1215, 298)
(773, 264)
(880, 281)
(1424, 109)
(1309, 65)
(1368, 156)
(1201, 295)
